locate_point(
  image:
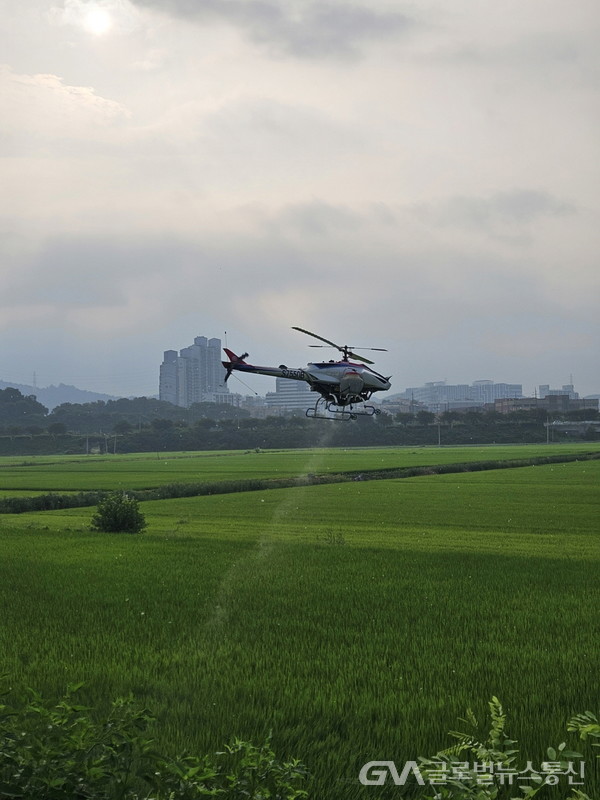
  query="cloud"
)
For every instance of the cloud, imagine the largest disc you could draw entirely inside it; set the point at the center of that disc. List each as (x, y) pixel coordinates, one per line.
(308, 29)
(503, 215)
(341, 263)
(435, 198)
(330, 268)
(42, 107)
(526, 341)
(315, 219)
(83, 164)
(152, 60)
(534, 52)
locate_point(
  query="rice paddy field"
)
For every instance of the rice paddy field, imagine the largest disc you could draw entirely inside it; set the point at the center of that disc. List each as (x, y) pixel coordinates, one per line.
(356, 621)
(144, 471)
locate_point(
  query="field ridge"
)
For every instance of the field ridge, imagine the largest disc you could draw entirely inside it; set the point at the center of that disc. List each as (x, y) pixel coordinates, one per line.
(54, 500)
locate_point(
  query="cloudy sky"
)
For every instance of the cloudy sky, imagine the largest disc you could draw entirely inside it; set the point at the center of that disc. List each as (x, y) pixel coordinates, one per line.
(420, 176)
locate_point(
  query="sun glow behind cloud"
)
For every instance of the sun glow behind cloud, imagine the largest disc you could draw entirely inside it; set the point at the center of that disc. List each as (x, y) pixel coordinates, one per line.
(97, 20)
(96, 17)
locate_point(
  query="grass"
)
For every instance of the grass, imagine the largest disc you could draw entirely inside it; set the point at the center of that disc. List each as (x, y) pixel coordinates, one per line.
(356, 621)
(143, 471)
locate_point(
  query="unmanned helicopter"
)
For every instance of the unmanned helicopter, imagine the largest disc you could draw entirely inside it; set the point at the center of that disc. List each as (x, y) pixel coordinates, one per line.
(344, 386)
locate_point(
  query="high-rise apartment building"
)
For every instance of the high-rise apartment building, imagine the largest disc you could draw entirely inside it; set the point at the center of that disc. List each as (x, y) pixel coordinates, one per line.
(196, 375)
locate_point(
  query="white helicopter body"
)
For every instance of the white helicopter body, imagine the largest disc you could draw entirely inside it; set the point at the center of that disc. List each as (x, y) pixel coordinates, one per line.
(342, 385)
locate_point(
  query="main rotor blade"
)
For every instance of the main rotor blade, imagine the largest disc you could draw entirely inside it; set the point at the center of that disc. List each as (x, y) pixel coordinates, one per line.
(360, 358)
(347, 351)
(350, 347)
(350, 353)
(309, 333)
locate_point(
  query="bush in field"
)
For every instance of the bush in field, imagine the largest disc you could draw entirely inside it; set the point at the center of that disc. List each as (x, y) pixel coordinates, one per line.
(494, 747)
(55, 751)
(118, 513)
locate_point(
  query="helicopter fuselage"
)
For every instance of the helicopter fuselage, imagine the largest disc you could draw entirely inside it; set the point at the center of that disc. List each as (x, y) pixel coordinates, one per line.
(340, 382)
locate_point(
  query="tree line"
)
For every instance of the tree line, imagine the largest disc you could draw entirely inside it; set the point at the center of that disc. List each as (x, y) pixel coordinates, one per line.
(146, 424)
(23, 414)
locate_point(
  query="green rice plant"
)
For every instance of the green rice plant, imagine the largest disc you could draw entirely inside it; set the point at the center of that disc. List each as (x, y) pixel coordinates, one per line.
(241, 621)
(147, 471)
(45, 502)
(335, 538)
(54, 751)
(492, 764)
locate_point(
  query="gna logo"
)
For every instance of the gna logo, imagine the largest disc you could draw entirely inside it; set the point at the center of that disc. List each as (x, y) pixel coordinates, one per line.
(375, 773)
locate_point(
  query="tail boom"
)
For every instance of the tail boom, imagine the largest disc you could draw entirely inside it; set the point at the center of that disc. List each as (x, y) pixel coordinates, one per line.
(237, 363)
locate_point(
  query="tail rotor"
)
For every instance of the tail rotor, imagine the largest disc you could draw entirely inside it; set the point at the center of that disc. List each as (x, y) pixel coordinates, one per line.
(233, 360)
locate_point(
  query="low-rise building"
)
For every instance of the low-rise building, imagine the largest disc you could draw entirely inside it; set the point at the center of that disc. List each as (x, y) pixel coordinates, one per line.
(557, 403)
(544, 390)
(438, 396)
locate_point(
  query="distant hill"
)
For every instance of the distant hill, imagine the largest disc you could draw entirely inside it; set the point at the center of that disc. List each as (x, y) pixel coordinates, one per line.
(52, 396)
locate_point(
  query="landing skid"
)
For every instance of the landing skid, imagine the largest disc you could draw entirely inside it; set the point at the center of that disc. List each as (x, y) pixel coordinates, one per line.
(339, 413)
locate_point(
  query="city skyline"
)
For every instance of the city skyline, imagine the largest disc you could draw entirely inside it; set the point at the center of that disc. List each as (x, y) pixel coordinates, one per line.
(97, 383)
(421, 178)
(55, 394)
